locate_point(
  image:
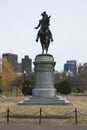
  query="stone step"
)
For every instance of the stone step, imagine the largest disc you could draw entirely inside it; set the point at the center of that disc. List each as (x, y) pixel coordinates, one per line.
(45, 101)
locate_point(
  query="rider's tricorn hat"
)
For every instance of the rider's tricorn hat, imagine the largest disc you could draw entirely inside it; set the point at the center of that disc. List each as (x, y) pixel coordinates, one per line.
(44, 13)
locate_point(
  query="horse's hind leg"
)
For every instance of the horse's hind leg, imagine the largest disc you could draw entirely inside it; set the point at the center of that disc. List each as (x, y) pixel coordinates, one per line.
(46, 51)
(42, 51)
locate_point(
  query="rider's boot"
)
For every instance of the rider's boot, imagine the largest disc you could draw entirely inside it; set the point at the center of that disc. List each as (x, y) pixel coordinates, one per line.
(51, 39)
(38, 35)
(37, 40)
(51, 36)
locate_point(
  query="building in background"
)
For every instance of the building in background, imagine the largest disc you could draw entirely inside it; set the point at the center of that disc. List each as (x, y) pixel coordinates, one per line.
(82, 68)
(71, 65)
(26, 64)
(19, 68)
(12, 60)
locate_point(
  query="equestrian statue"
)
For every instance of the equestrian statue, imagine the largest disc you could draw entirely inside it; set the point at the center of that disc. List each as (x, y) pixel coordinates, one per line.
(44, 33)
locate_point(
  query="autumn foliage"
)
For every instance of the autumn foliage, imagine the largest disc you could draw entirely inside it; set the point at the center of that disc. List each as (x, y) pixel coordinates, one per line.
(7, 74)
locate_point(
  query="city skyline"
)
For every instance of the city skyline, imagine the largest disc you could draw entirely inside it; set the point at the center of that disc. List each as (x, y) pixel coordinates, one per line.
(24, 65)
(70, 62)
(68, 26)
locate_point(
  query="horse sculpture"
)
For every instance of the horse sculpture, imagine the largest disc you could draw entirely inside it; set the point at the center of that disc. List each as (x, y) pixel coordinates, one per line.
(45, 38)
(44, 33)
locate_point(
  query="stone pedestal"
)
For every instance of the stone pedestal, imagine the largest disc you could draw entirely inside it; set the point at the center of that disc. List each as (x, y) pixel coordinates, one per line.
(44, 92)
(44, 72)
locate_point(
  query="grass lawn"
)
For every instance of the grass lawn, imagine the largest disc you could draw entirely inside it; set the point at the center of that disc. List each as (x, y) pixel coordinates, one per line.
(79, 102)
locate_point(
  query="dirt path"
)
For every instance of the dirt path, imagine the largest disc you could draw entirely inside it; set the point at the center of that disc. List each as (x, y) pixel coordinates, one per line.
(40, 127)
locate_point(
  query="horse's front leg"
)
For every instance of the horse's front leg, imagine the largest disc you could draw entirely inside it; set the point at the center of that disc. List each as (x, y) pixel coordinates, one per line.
(42, 51)
(46, 51)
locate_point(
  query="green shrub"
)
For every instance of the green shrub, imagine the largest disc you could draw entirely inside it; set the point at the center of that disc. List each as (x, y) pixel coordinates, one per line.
(63, 87)
(27, 89)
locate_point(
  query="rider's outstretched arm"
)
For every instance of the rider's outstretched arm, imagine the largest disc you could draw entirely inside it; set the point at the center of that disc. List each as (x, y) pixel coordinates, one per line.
(38, 25)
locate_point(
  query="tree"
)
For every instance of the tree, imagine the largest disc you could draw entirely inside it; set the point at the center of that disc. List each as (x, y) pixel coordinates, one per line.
(63, 87)
(27, 87)
(28, 84)
(80, 80)
(7, 74)
(17, 84)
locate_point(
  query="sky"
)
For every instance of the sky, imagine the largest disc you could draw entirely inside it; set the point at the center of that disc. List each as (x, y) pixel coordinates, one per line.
(68, 25)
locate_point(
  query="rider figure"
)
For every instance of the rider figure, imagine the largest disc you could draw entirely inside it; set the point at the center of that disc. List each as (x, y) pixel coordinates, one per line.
(44, 24)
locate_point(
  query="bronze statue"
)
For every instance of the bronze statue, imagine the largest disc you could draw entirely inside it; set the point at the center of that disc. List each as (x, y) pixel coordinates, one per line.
(44, 32)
